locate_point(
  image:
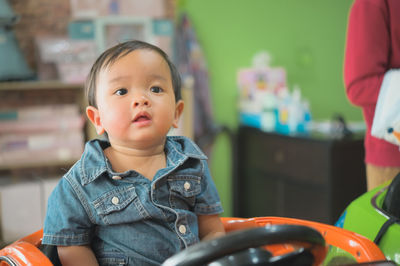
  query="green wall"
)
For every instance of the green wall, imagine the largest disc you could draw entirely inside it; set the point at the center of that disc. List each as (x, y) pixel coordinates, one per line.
(306, 37)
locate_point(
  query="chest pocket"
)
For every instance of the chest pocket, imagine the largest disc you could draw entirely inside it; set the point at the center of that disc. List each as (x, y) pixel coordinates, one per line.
(112, 259)
(120, 205)
(183, 191)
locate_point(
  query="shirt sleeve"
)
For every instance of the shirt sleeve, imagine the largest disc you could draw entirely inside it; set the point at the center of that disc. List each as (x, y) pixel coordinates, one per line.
(66, 222)
(208, 201)
(367, 51)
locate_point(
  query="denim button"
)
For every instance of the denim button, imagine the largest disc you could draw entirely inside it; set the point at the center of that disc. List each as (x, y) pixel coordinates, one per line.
(186, 186)
(115, 200)
(116, 177)
(182, 229)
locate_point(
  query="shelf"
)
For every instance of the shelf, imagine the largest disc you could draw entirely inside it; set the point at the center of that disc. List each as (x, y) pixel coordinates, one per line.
(299, 177)
(38, 85)
(21, 94)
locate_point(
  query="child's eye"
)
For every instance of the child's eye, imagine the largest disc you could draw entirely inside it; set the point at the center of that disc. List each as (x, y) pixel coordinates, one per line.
(122, 91)
(156, 89)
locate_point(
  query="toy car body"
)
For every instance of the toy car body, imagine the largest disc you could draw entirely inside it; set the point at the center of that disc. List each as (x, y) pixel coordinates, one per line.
(376, 215)
(27, 251)
(373, 217)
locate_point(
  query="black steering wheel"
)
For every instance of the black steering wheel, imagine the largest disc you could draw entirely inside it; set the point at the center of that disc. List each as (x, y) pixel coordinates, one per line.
(310, 247)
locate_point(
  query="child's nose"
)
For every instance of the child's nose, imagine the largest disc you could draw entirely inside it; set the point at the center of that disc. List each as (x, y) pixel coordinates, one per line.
(141, 100)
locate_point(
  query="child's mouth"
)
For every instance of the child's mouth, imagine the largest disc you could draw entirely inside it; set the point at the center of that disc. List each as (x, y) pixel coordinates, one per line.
(141, 119)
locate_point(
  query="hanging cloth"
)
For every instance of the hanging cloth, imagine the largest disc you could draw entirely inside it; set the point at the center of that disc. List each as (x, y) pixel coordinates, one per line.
(7, 16)
(192, 66)
(16, 67)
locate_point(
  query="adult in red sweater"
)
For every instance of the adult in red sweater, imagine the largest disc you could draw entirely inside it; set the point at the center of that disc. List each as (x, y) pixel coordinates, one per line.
(373, 48)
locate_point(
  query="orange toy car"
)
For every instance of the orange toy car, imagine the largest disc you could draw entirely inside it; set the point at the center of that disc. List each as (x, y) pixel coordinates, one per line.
(282, 238)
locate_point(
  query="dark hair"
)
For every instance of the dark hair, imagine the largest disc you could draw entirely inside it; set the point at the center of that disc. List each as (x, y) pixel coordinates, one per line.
(109, 56)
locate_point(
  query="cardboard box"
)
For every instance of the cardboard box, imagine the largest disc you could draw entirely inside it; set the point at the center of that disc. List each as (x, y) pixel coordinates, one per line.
(21, 209)
(23, 205)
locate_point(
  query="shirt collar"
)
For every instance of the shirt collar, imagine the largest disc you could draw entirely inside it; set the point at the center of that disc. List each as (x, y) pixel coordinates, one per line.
(94, 163)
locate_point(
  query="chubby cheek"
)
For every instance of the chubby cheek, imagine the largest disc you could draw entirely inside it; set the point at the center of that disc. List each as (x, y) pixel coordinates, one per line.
(165, 121)
(114, 120)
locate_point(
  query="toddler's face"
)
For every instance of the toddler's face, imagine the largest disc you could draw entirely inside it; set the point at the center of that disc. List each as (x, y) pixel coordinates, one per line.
(136, 101)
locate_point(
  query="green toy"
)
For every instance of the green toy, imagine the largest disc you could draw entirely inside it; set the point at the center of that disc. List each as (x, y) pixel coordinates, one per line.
(375, 215)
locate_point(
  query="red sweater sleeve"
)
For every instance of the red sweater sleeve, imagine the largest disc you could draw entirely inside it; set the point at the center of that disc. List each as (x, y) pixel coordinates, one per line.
(367, 51)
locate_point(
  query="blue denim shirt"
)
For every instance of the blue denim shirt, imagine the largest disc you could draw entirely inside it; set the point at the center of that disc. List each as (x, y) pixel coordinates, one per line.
(126, 218)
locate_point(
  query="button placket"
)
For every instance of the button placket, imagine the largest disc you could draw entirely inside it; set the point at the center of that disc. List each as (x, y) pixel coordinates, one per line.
(116, 177)
(182, 229)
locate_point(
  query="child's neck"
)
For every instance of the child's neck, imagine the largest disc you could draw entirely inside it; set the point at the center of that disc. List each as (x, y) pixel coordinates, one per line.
(144, 161)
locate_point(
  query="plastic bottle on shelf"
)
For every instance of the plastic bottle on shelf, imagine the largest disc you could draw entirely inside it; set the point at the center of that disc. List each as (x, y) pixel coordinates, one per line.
(283, 112)
(307, 116)
(269, 113)
(296, 112)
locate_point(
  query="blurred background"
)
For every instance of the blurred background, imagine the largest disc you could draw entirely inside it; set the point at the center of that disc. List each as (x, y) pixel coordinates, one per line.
(263, 85)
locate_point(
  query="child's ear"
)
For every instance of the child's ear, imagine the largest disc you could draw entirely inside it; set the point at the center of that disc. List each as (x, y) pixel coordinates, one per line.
(178, 112)
(94, 117)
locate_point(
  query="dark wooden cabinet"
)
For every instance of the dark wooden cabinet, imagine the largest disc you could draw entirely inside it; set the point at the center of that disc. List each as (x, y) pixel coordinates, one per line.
(301, 177)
